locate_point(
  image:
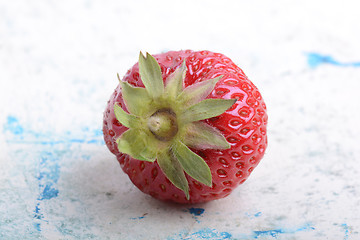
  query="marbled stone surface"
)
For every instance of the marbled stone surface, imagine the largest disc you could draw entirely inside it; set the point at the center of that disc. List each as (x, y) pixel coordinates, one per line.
(58, 65)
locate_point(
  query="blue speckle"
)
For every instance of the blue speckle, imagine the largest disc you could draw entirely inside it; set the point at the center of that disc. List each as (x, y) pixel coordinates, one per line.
(304, 228)
(37, 227)
(276, 232)
(138, 218)
(208, 233)
(49, 192)
(346, 228)
(13, 125)
(272, 233)
(316, 59)
(205, 233)
(37, 216)
(258, 214)
(196, 211)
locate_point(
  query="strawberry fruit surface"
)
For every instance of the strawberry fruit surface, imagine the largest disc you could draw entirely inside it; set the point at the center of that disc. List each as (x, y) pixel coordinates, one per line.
(186, 126)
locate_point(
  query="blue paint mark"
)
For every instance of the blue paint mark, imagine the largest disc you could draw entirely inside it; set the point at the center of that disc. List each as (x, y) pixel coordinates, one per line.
(252, 215)
(13, 125)
(49, 192)
(208, 233)
(205, 233)
(304, 228)
(315, 59)
(138, 218)
(347, 231)
(56, 142)
(258, 214)
(48, 176)
(48, 161)
(22, 135)
(96, 141)
(37, 217)
(196, 211)
(49, 172)
(275, 232)
(272, 233)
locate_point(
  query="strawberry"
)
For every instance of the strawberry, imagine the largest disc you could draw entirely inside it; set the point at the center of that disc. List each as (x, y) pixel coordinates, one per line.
(186, 126)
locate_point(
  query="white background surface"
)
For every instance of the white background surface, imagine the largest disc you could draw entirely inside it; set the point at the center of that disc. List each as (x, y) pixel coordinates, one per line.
(58, 65)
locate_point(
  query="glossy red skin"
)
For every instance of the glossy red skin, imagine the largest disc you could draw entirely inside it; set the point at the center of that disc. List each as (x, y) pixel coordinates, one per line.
(243, 125)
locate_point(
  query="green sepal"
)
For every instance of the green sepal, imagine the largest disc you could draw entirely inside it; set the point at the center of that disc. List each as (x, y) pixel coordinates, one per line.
(151, 76)
(128, 120)
(198, 91)
(205, 109)
(150, 149)
(200, 135)
(130, 142)
(173, 171)
(164, 122)
(174, 83)
(136, 99)
(192, 163)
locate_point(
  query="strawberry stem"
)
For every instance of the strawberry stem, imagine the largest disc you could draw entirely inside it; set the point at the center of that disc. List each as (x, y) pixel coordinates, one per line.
(163, 124)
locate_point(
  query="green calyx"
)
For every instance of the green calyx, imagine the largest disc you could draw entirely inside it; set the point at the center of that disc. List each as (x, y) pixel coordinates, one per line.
(164, 121)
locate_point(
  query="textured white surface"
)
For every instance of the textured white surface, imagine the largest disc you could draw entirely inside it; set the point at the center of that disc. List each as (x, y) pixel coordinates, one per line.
(58, 65)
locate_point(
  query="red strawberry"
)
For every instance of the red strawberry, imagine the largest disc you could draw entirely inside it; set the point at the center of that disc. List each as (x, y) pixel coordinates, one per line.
(194, 133)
